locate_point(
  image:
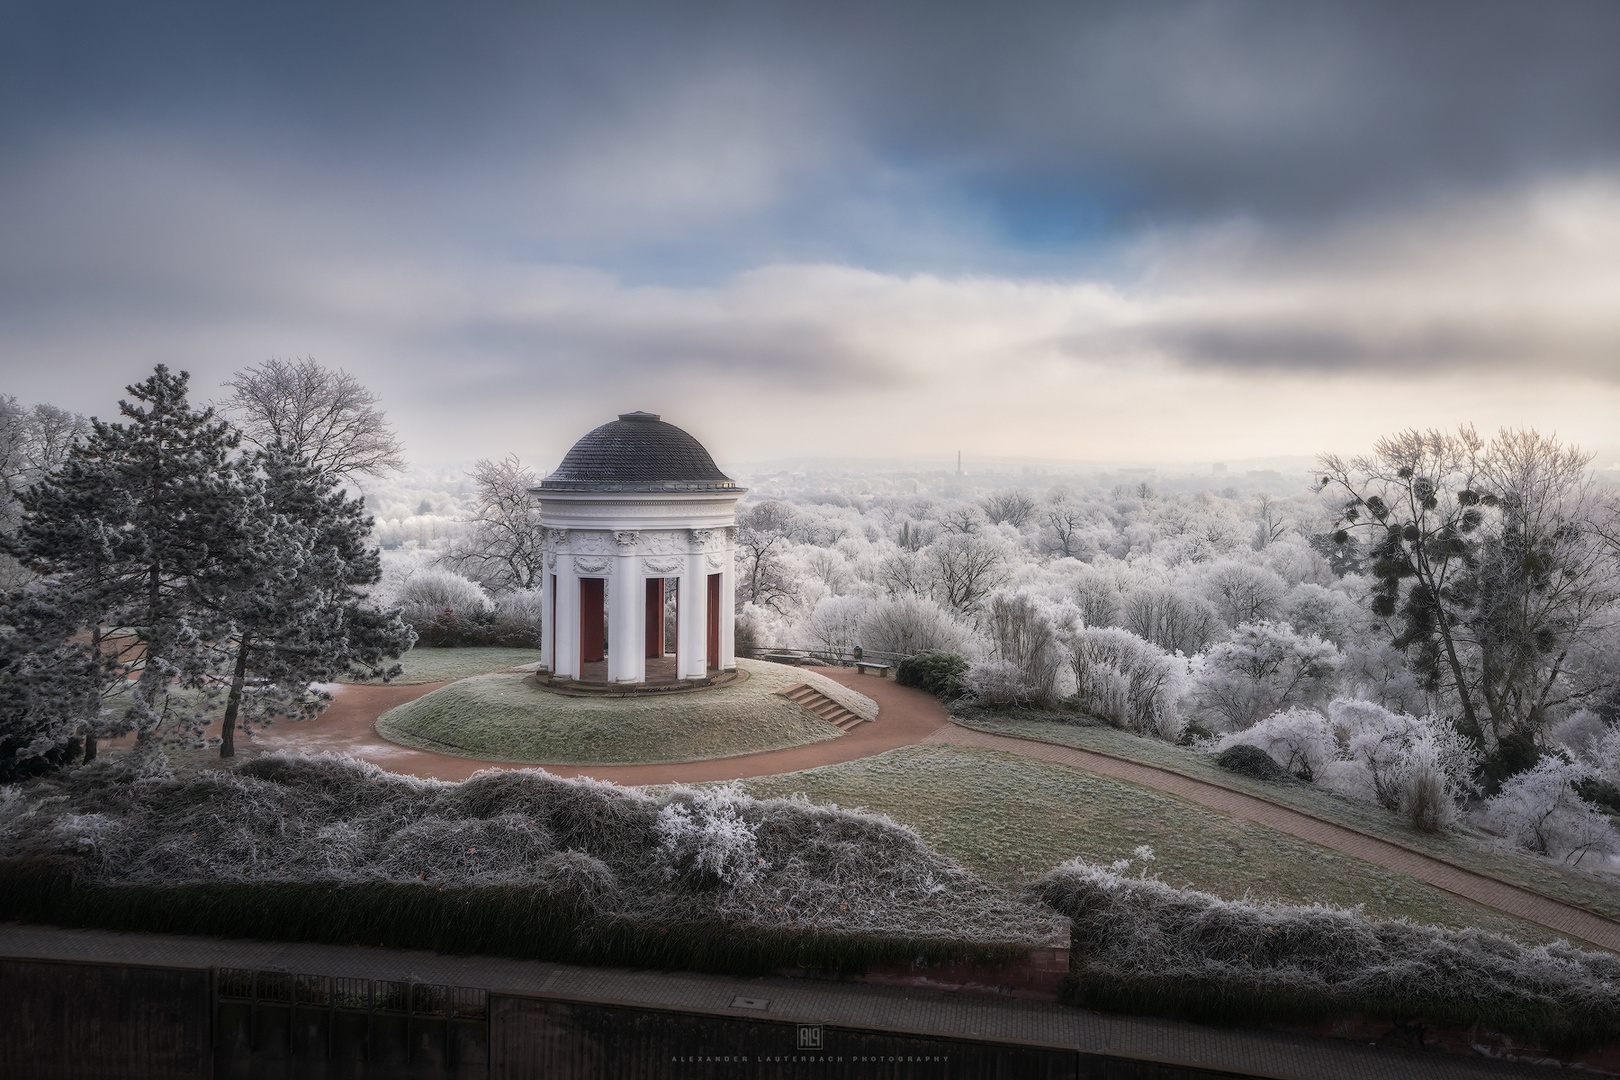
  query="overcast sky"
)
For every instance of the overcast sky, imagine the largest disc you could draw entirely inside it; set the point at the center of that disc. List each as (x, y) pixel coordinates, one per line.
(1127, 232)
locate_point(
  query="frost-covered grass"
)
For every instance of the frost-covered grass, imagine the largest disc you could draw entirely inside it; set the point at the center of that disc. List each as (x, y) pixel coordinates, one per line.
(505, 718)
(1011, 818)
(443, 665)
(1143, 946)
(1596, 891)
(330, 848)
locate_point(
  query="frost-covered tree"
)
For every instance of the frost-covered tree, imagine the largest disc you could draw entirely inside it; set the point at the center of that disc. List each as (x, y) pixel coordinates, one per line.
(1127, 681)
(1265, 667)
(141, 520)
(1489, 565)
(1541, 810)
(1026, 634)
(50, 681)
(1014, 507)
(1063, 524)
(316, 413)
(33, 441)
(1243, 592)
(763, 533)
(1171, 619)
(503, 547)
(967, 568)
(294, 604)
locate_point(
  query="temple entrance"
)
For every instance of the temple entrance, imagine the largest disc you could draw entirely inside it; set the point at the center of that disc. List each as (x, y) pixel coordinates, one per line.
(713, 613)
(592, 619)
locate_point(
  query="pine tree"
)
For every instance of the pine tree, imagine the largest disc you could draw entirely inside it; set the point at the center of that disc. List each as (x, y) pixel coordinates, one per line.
(295, 602)
(142, 520)
(50, 682)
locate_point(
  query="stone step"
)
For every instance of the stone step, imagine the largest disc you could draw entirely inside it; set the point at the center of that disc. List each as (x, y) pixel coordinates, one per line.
(823, 707)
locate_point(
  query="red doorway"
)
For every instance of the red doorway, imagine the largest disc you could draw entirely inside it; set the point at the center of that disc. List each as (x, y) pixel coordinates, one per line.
(714, 620)
(655, 618)
(592, 619)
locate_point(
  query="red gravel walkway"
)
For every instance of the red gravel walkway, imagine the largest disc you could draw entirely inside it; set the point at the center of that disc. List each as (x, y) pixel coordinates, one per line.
(1532, 906)
(905, 716)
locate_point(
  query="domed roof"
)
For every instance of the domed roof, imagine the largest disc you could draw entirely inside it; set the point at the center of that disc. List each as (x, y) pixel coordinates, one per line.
(637, 452)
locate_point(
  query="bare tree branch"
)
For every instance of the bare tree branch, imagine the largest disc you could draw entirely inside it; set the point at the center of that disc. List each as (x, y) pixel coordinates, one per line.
(320, 414)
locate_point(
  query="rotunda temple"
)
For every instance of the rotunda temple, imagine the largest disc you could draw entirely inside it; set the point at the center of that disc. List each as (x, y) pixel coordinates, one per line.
(640, 534)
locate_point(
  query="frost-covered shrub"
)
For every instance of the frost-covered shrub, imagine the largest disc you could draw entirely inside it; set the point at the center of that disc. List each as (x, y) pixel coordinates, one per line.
(1026, 632)
(835, 625)
(1299, 740)
(1421, 767)
(908, 624)
(519, 616)
(688, 856)
(429, 591)
(1265, 667)
(1139, 938)
(1541, 810)
(1330, 614)
(1127, 681)
(999, 684)
(702, 838)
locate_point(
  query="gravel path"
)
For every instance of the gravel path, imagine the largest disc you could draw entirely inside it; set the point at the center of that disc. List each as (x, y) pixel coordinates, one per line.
(905, 717)
(1532, 906)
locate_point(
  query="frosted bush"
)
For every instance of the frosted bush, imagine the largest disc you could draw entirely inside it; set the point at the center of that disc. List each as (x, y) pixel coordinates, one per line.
(1173, 620)
(428, 591)
(906, 625)
(520, 607)
(705, 840)
(330, 819)
(1127, 681)
(1026, 632)
(1541, 811)
(835, 625)
(1300, 740)
(1581, 733)
(1395, 748)
(999, 684)
(1139, 928)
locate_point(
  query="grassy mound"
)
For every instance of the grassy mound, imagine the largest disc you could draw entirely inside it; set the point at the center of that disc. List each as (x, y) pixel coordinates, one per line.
(1143, 946)
(504, 718)
(522, 863)
(443, 665)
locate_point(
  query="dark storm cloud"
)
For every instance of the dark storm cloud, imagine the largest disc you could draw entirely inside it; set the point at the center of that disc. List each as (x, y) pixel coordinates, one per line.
(1150, 108)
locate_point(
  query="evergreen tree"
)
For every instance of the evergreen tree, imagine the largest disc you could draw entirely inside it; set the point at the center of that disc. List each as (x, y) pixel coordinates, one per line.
(50, 683)
(141, 521)
(294, 603)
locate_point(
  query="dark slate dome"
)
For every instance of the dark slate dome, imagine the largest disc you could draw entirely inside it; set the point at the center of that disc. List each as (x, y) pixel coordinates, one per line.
(638, 452)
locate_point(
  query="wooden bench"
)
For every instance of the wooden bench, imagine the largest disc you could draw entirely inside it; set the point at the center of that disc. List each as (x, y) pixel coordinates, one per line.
(880, 670)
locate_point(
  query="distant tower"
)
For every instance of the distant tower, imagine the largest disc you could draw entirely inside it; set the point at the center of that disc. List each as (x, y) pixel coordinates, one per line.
(959, 463)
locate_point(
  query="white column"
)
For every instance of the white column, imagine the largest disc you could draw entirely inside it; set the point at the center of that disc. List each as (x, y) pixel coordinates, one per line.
(548, 638)
(567, 618)
(692, 660)
(728, 607)
(627, 607)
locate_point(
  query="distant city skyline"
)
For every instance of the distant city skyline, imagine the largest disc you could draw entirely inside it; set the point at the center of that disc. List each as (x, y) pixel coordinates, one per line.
(1118, 233)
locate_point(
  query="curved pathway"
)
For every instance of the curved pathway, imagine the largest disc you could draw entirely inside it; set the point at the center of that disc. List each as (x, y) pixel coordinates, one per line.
(1489, 891)
(905, 716)
(908, 717)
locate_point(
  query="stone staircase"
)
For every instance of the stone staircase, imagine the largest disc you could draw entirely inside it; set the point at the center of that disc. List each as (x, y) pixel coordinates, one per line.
(808, 697)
